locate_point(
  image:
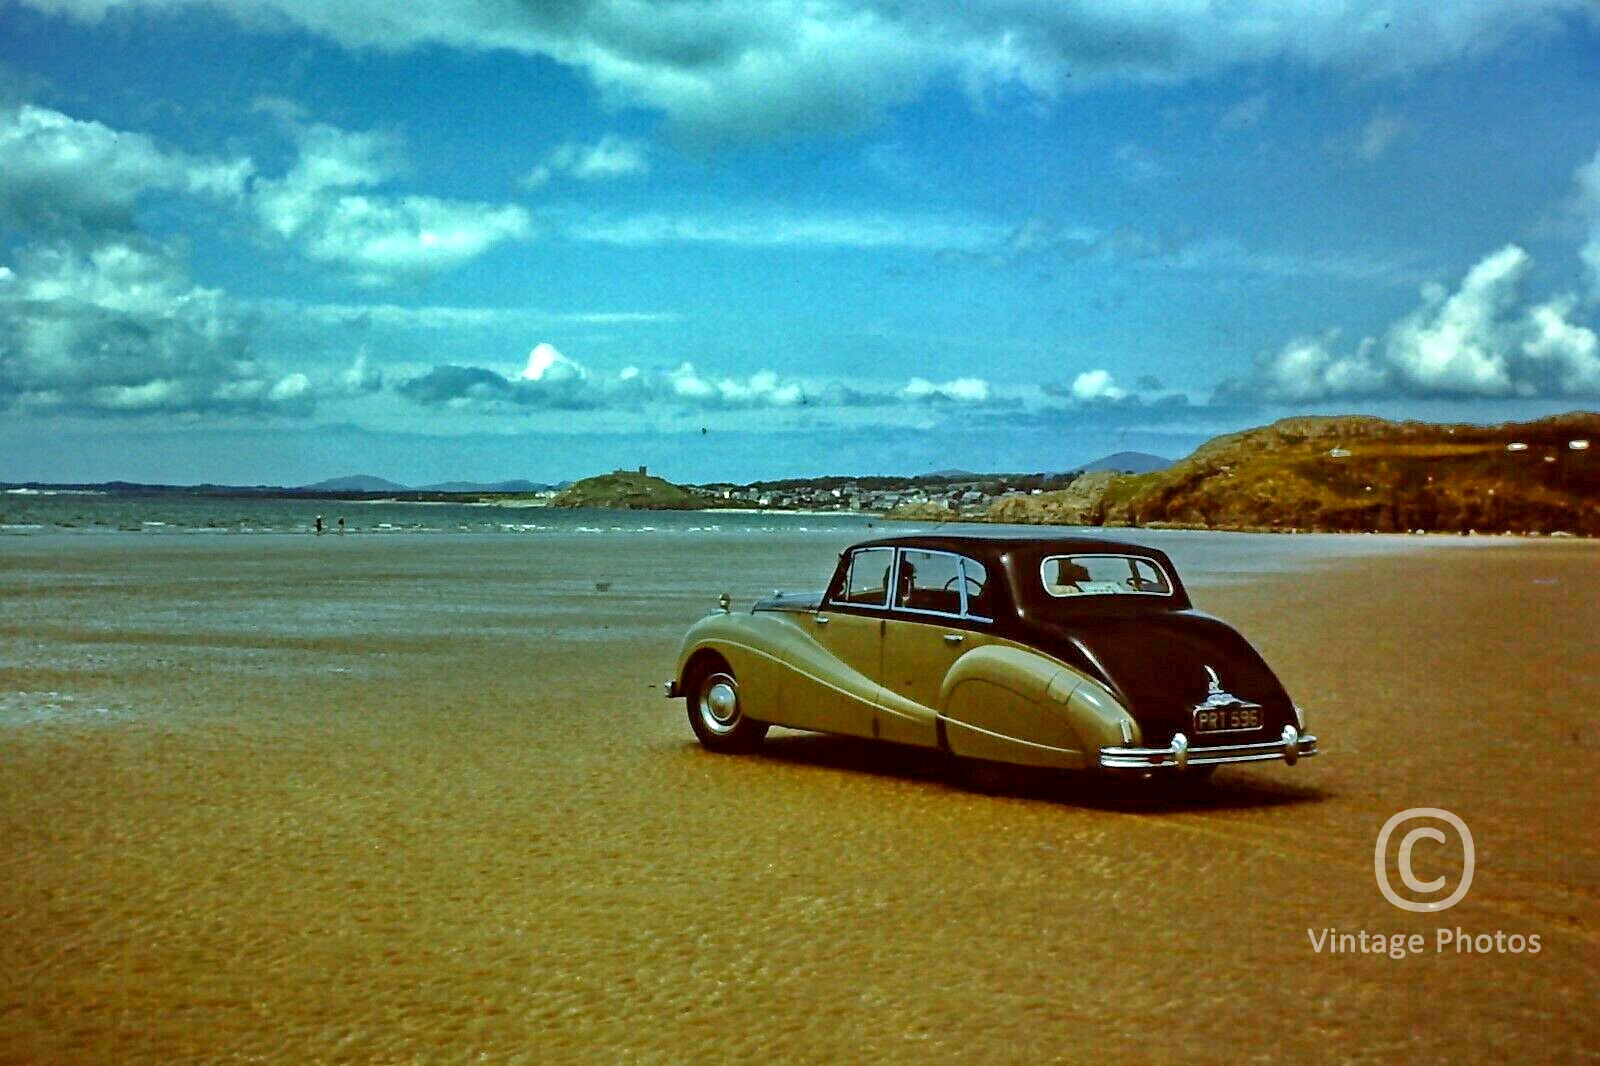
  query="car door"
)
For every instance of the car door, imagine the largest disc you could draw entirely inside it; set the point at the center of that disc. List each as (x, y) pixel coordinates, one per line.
(933, 621)
(834, 684)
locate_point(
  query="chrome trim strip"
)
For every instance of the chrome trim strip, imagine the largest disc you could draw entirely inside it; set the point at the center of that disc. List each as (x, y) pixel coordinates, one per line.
(948, 722)
(941, 614)
(1291, 748)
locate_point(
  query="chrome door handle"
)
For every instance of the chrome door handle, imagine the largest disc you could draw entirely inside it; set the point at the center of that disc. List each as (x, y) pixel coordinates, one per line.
(822, 619)
(953, 638)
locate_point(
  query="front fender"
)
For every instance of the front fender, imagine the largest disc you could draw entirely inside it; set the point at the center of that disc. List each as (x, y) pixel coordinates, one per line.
(751, 644)
(1009, 704)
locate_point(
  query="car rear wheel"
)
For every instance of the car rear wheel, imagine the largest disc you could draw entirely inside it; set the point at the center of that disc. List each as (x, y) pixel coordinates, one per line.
(716, 711)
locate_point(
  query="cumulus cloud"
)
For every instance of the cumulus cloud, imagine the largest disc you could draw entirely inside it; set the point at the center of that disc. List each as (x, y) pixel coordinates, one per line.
(609, 158)
(1307, 368)
(1093, 385)
(961, 390)
(553, 381)
(96, 317)
(120, 330)
(733, 70)
(68, 178)
(321, 208)
(66, 175)
(546, 363)
(457, 386)
(1481, 340)
(1098, 389)
(762, 389)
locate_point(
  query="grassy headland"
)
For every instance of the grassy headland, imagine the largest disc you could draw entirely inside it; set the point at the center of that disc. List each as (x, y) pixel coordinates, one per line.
(1353, 474)
(629, 490)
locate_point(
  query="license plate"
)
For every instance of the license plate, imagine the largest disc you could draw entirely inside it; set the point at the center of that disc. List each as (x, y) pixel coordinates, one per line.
(1237, 718)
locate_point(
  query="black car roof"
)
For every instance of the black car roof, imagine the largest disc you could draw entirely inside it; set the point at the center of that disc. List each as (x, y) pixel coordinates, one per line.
(1001, 540)
(1018, 549)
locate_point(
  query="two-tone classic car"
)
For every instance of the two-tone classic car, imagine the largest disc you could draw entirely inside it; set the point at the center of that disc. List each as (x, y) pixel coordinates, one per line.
(1050, 651)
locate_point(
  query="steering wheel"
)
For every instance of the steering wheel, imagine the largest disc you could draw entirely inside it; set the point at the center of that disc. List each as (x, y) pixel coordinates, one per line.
(975, 587)
(1138, 584)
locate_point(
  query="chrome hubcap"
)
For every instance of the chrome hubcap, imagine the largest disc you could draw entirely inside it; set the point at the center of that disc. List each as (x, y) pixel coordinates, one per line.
(719, 703)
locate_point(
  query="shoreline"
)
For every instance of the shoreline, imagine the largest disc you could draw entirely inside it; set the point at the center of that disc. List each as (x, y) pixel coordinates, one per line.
(978, 520)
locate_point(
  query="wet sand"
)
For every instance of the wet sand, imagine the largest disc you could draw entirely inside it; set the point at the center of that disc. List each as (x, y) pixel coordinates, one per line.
(292, 799)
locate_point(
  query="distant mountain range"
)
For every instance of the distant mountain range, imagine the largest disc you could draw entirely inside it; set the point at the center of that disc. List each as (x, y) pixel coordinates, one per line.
(1128, 463)
(367, 483)
(356, 483)
(352, 485)
(1120, 462)
(489, 486)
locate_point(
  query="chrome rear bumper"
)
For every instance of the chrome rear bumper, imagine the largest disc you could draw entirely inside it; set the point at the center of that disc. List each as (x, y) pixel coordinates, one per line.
(1291, 747)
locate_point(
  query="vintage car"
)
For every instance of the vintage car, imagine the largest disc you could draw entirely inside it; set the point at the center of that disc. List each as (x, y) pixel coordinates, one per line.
(1047, 651)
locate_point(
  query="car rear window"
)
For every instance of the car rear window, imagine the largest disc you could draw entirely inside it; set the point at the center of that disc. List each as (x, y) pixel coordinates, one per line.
(1068, 576)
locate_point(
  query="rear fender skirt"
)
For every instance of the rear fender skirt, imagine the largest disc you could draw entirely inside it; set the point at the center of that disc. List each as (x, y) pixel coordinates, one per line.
(1006, 703)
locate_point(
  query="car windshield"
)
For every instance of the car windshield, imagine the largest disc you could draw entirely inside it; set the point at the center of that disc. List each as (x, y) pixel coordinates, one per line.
(1066, 576)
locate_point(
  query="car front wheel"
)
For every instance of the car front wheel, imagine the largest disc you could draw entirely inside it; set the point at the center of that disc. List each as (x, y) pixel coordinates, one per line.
(716, 712)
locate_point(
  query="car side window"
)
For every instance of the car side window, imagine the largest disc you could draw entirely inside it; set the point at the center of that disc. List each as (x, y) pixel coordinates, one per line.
(929, 581)
(980, 598)
(866, 581)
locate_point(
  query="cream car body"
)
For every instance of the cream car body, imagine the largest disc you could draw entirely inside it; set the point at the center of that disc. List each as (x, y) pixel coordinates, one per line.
(1058, 652)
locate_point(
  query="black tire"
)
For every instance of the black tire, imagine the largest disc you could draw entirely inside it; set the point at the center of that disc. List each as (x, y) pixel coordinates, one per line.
(716, 712)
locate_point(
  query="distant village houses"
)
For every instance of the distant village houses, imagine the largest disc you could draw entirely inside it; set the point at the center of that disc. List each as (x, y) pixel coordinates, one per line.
(960, 497)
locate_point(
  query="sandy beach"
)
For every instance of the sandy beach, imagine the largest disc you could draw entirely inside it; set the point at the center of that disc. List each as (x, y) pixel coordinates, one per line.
(420, 799)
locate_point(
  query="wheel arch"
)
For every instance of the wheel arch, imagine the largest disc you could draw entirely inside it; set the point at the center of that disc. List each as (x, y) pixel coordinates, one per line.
(700, 660)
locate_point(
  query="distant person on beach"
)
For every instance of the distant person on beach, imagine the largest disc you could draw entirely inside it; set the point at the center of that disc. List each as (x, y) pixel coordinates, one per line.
(319, 525)
(341, 525)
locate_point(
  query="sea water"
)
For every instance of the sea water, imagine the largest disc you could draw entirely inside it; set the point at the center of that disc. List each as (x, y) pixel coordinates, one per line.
(1204, 556)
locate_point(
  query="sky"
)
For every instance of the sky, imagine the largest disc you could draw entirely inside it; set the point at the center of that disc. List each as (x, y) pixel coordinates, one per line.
(276, 241)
